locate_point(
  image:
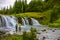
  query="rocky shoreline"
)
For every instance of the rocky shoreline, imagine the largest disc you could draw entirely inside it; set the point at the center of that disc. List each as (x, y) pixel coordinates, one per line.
(49, 34)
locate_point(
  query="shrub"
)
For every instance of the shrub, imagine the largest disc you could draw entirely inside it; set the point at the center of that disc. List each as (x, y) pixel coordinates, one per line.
(30, 35)
(11, 37)
(54, 25)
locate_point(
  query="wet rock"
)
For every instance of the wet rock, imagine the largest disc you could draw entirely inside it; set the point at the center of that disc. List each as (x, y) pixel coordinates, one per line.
(50, 29)
(38, 33)
(44, 38)
(58, 38)
(43, 30)
(53, 30)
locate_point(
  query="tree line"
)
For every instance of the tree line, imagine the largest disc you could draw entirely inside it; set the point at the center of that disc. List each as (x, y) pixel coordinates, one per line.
(33, 6)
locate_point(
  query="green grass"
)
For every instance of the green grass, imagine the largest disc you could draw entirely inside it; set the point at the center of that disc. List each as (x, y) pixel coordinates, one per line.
(11, 37)
(55, 24)
(30, 14)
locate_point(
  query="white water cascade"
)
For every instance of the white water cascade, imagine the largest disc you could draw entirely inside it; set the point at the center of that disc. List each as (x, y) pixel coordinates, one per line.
(25, 23)
(26, 20)
(27, 26)
(8, 24)
(34, 22)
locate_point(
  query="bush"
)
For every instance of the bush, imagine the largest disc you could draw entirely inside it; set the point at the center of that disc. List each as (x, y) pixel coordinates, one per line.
(54, 25)
(30, 35)
(11, 37)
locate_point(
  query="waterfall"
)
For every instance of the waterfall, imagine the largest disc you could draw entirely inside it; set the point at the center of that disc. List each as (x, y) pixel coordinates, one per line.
(26, 20)
(8, 23)
(23, 22)
(26, 26)
(34, 21)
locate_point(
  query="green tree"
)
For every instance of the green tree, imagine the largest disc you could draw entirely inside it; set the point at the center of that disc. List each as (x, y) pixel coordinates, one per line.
(20, 6)
(35, 6)
(17, 7)
(55, 13)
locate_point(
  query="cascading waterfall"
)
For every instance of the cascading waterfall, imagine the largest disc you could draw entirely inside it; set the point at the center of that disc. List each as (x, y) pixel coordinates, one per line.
(26, 20)
(5, 18)
(23, 22)
(26, 26)
(8, 23)
(34, 21)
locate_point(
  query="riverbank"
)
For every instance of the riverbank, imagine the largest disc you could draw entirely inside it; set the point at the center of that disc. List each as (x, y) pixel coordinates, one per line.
(49, 34)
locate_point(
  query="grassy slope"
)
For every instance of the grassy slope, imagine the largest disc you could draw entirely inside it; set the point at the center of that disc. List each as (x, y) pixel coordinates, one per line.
(32, 14)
